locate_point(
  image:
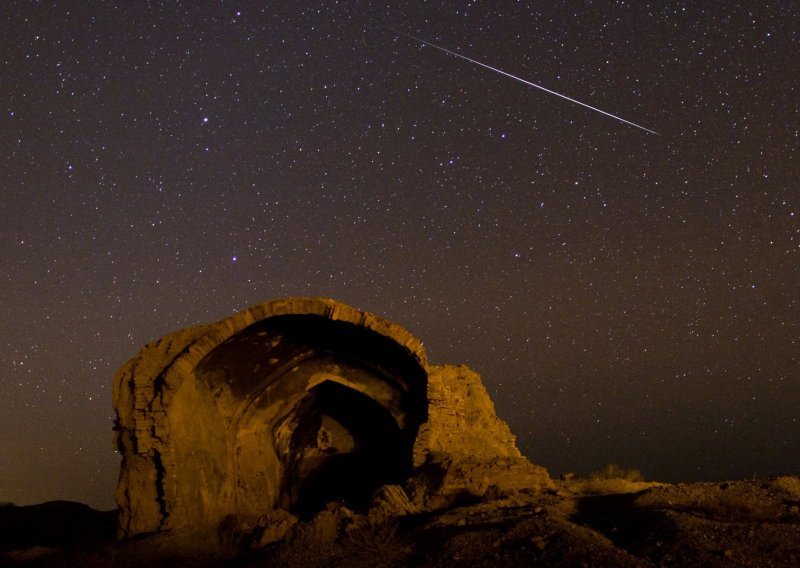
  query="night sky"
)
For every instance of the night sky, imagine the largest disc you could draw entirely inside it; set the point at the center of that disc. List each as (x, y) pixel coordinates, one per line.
(627, 297)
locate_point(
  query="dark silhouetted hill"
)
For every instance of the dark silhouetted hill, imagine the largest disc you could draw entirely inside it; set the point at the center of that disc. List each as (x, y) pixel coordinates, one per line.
(55, 524)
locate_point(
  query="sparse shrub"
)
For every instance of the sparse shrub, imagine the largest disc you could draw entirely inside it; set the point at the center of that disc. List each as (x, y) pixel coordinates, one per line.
(789, 485)
(376, 544)
(609, 480)
(613, 471)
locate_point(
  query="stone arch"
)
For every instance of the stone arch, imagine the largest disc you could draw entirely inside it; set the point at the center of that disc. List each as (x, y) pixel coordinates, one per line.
(213, 335)
(270, 436)
(228, 421)
(286, 376)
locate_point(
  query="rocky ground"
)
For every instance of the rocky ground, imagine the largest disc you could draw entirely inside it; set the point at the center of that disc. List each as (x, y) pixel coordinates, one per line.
(580, 523)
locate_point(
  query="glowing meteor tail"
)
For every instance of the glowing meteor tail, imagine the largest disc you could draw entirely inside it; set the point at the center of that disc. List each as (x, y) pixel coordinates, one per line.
(545, 89)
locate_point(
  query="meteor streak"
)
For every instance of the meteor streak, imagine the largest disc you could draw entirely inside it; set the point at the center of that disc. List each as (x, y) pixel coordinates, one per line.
(521, 80)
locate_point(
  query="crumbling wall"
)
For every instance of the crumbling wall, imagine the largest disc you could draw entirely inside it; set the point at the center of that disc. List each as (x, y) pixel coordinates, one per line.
(464, 451)
(461, 419)
(295, 402)
(142, 394)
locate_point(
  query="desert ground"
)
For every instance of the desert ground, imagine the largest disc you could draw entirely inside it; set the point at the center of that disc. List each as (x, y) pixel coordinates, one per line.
(582, 522)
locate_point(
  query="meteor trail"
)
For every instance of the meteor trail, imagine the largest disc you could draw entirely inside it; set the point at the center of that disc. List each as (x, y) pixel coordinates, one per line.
(521, 80)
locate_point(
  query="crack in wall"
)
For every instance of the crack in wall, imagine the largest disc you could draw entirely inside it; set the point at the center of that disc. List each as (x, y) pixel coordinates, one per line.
(159, 483)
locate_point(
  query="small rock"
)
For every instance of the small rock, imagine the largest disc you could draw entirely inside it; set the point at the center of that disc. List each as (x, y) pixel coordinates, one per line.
(277, 525)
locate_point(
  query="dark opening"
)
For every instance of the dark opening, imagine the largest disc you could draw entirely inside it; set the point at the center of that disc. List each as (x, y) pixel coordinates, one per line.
(344, 447)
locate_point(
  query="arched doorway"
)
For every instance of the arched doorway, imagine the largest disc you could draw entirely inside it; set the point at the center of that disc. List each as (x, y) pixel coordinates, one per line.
(343, 447)
(315, 411)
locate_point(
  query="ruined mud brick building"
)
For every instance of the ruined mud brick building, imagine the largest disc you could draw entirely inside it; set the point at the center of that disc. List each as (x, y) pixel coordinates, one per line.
(295, 403)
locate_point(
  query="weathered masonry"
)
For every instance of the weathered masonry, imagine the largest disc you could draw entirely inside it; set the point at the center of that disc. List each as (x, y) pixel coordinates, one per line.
(296, 403)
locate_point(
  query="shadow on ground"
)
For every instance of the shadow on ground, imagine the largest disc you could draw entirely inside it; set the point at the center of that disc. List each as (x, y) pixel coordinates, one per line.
(626, 524)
